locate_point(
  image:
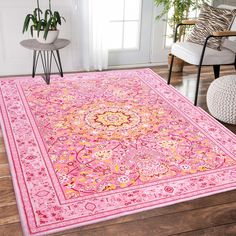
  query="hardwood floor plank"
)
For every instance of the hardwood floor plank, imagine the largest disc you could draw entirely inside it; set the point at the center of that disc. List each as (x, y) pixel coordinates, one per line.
(222, 230)
(3, 154)
(3, 158)
(2, 146)
(7, 193)
(9, 215)
(4, 170)
(6, 184)
(7, 198)
(11, 230)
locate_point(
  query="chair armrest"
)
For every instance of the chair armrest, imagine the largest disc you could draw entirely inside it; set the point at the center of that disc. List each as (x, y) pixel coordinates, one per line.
(224, 33)
(189, 22)
(184, 23)
(215, 34)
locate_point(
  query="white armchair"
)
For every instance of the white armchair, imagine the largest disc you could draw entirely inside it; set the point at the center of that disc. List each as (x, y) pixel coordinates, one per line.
(201, 55)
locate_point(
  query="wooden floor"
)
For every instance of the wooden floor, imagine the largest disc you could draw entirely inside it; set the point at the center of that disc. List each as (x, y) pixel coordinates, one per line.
(209, 216)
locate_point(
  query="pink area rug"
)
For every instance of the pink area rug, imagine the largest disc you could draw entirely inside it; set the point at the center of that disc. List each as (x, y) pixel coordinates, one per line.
(95, 146)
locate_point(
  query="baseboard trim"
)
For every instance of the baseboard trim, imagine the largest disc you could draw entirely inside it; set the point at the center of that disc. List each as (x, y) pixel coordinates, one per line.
(137, 65)
(109, 68)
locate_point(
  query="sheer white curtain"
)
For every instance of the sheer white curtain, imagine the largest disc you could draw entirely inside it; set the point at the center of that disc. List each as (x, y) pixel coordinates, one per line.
(90, 34)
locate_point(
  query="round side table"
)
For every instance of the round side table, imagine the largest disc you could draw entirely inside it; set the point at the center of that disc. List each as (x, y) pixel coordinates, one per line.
(46, 52)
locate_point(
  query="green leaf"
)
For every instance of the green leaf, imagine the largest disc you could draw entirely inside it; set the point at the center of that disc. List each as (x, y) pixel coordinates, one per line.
(39, 27)
(58, 17)
(31, 30)
(37, 13)
(47, 28)
(48, 12)
(63, 18)
(26, 22)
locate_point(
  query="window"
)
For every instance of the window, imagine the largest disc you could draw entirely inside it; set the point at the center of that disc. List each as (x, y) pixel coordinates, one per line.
(124, 24)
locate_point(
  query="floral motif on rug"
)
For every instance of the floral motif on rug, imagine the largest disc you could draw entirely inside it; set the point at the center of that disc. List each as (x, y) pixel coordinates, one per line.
(94, 146)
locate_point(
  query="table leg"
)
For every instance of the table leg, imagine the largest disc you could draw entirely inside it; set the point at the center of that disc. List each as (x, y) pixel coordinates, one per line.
(35, 62)
(46, 58)
(58, 62)
(34, 59)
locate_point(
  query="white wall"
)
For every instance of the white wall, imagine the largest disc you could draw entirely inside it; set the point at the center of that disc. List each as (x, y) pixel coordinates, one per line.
(159, 51)
(14, 59)
(228, 2)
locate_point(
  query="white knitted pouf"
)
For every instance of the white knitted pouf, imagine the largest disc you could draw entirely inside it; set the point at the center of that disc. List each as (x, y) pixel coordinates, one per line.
(221, 99)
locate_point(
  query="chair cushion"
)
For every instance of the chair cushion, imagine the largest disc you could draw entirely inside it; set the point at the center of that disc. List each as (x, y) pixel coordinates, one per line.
(211, 19)
(191, 53)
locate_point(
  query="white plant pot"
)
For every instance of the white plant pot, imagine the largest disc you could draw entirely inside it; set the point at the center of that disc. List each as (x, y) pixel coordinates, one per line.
(51, 37)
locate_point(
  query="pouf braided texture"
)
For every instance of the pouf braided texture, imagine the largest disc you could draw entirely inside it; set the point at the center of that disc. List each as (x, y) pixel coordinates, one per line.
(221, 99)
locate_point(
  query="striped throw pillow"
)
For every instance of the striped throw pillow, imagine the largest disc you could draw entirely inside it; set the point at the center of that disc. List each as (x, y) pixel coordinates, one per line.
(211, 19)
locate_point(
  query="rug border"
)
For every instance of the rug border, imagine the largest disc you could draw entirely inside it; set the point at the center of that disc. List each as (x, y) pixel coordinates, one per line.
(19, 200)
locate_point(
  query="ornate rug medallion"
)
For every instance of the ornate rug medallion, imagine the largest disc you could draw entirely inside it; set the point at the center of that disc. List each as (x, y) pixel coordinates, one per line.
(112, 119)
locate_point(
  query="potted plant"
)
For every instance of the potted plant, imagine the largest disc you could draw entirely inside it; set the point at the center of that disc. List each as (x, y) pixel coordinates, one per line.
(43, 26)
(181, 10)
